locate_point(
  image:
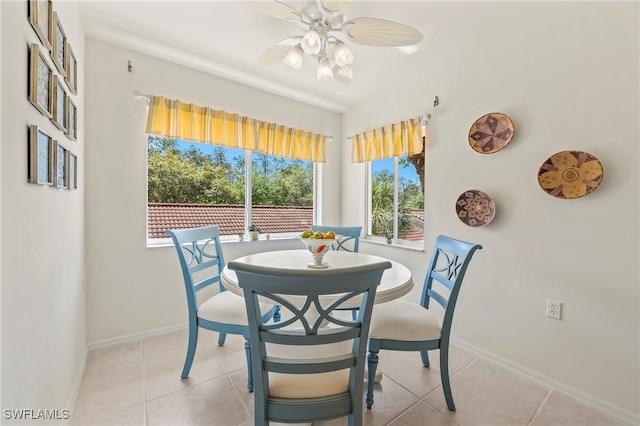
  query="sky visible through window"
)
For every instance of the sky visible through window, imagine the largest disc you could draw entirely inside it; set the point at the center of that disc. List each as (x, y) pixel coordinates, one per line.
(408, 172)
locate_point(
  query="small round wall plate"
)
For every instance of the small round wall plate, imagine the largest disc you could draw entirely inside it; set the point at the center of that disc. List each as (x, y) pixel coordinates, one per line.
(475, 208)
(570, 174)
(490, 133)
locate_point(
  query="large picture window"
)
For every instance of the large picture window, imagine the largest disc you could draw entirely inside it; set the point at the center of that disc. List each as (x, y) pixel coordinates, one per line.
(396, 198)
(193, 184)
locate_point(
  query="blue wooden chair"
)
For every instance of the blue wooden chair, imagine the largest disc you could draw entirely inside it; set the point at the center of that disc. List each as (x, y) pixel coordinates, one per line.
(309, 367)
(350, 243)
(352, 234)
(202, 260)
(403, 326)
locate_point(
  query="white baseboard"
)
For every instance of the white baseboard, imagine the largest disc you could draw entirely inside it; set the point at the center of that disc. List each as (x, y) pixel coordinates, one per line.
(136, 336)
(599, 404)
(73, 393)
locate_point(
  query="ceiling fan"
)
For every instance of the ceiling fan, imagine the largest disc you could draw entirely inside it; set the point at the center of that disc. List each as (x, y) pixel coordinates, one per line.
(325, 29)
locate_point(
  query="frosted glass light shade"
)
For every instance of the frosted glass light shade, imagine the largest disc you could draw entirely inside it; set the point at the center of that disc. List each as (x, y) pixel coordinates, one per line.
(346, 73)
(324, 70)
(343, 55)
(311, 43)
(294, 58)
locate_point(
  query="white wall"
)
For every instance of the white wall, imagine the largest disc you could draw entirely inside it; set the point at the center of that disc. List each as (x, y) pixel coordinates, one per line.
(43, 312)
(132, 289)
(567, 74)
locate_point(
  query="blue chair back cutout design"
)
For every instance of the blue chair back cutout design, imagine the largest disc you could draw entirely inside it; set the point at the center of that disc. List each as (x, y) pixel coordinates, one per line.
(308, 299)
(352, 234)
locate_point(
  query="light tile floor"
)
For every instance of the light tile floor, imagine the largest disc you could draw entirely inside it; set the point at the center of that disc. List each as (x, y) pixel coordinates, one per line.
(139, 384)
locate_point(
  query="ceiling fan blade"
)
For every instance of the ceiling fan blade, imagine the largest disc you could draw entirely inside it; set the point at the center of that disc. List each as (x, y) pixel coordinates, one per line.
(333, 7)
(380, 32)
(278, 51)
(277, 9)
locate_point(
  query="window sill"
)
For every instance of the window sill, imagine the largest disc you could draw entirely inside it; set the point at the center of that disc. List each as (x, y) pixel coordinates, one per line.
(396, 245)
(166, 242)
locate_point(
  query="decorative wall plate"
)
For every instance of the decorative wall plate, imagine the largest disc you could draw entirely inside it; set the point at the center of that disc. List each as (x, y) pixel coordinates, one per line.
(475, 208)
(570, 174)
(490, 133)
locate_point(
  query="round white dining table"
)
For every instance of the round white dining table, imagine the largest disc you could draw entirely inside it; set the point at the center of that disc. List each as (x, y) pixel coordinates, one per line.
(396, 281)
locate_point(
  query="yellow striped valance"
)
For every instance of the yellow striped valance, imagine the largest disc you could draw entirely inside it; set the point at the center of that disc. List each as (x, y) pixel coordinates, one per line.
(404, 138)
(173, 118)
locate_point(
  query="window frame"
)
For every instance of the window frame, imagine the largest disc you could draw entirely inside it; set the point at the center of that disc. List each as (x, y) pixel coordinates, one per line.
(396, 195)
(248, 203)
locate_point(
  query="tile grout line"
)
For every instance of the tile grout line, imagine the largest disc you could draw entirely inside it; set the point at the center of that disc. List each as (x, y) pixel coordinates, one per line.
(535, 413)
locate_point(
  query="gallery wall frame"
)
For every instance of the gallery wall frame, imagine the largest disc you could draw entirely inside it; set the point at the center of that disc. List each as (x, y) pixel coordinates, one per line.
(60, 166)
(59, 44)
(60, 112)
(40, 81)
(40, 17)
(41, 152)
(72, 120)
(71, 68)
(72, 176)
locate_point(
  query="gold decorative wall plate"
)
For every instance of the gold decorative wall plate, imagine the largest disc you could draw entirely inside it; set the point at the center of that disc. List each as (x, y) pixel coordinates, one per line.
(475, 208)
(490, 133)
(570, 174)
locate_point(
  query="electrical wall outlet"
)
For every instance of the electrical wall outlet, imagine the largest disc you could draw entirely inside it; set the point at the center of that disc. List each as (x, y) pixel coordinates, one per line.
(554, 309)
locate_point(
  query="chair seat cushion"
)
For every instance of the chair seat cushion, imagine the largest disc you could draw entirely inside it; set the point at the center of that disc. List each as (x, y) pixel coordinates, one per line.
(405, 321)
(308, 385)
(228, 308)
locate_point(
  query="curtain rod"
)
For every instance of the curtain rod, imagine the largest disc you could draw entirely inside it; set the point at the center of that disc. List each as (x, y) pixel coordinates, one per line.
(422, 120)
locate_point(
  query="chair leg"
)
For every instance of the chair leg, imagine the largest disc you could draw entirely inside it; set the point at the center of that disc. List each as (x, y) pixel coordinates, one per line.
(372, 366)
(425, 358)
(191, 350)
(221, 338)
(247, 351)
(444, 376)
(354, 314)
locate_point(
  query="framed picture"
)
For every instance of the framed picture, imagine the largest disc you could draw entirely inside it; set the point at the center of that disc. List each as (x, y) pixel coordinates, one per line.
(73, 172)
(60, 166)
(40, 81)
(58, 43)
(72, 119)
(60, 111)
(40, 12)
(41, 152)
(71, 67)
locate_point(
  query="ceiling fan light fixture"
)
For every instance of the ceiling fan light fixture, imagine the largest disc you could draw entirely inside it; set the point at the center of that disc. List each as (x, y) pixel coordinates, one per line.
(343, 55)
(311, 42)
(346, 72)
(294, 58)
(325, 71)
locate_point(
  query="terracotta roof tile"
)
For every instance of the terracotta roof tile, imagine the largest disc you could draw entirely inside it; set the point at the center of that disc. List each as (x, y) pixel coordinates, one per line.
(229, 217)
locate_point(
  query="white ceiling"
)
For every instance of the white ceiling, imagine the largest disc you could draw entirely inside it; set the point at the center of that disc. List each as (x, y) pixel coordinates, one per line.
(226, 38)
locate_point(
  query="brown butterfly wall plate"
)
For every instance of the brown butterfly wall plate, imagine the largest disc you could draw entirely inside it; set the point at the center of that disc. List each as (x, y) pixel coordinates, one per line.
(490, 133)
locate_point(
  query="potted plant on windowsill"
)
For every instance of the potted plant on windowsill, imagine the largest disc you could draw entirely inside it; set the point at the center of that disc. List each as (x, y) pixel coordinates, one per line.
(240, 236)
(254, 232)
(389, 236)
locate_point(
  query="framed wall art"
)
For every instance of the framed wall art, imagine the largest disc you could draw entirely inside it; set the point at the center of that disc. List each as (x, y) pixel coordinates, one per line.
(60, 166)
(72, 176)
(71, 68)
(72, 119)
(40, 81)
(41, 152)
(40, 12)
(58, 43)
(60, 112)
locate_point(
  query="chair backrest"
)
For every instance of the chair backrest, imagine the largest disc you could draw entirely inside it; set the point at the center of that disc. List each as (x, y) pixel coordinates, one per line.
(201, 260)
(352, 234)
(301, 381)
(448, 266)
